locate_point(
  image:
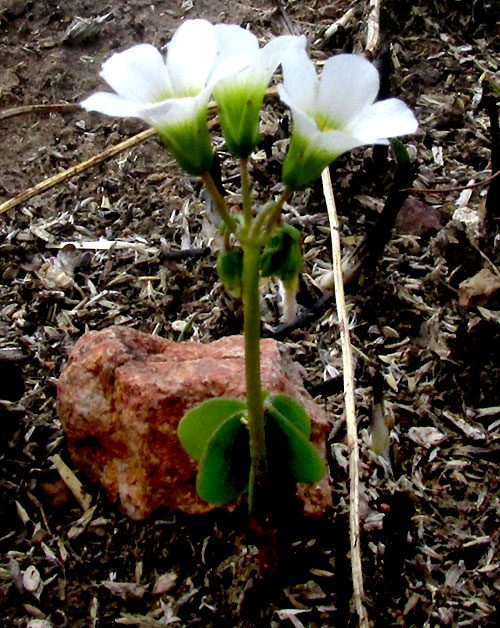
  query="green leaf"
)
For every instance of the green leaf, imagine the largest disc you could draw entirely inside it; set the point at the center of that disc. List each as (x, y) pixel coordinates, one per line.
(400, 151)
(288, 447)
(225, 466)
(198, 424)
(293, 411)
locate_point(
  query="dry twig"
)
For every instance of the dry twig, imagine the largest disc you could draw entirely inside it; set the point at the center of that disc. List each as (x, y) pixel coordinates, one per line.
(24, 109)
(43, 186)
(350, 408)
(459, 188)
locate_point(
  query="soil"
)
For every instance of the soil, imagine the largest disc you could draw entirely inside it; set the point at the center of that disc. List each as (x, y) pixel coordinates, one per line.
(426, 360)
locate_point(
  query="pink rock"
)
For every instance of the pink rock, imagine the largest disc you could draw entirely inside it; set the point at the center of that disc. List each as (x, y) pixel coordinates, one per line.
(122, 394)
(479, 289)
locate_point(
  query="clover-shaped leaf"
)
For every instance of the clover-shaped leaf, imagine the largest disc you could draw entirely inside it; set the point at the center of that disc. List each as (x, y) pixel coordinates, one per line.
(199, 424)
(224, 468)
(289, 448)
(293, 411)
(215, 434)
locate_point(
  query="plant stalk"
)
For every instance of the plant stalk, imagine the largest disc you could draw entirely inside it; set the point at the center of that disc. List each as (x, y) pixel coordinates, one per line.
(246, 199)
(219, 202)
(268, 216)
(257, 488)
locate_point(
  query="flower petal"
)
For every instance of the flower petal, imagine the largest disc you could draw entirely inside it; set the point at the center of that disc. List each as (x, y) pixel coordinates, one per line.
(336, 142)
(174, 111)
(191, 55)
(274, 53)
(138, 74)
(303, 124)
(232, 40)
(349, 84)
(111, 105)
(236, 49)
(300, 81)
(386, 118)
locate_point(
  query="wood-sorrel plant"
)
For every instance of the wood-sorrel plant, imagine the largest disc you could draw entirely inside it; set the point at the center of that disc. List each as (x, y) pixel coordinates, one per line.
(237, 442)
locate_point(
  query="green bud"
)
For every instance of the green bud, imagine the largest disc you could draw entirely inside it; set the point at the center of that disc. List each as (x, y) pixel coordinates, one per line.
(230, 269)
(400, 151)
(282, 256)
(239, 110)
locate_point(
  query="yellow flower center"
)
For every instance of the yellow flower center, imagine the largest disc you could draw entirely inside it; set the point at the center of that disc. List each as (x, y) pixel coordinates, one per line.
(324, 125)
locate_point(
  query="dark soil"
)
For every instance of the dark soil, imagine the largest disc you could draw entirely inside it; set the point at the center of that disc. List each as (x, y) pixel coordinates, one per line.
(430, 507)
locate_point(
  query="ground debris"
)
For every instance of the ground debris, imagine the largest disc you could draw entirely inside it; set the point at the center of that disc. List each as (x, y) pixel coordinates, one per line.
(133, 242)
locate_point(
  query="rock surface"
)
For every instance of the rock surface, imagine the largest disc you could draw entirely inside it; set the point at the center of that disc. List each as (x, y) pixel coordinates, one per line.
(123, 392)
(479, 289)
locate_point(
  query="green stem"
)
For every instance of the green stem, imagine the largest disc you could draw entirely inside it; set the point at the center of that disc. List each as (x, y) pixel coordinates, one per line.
(257, 489)
(219, 202)
(246, 199)
(268, 215)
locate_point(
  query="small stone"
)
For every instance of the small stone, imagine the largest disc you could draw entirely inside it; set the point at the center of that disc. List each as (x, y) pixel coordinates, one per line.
(13, 7)
(479, 289)
(417, 218)
(123, 392)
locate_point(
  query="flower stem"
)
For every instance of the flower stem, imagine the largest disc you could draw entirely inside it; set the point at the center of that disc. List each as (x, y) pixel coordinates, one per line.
(257, 489)
(246, 199)
(220, 203)
(268, 215)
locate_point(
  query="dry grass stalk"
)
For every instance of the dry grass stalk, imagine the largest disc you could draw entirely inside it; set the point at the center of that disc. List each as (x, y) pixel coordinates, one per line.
(22, 110)
(43, 186)
(350, 408)
(373, 28)
(49, 183)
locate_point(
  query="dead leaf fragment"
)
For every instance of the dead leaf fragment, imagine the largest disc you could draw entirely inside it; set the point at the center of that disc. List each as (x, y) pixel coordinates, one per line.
(426, 436)
(32, 581)
(165, 582)
(71, 481)
(125, 590)
(81, 524)
(39, 623)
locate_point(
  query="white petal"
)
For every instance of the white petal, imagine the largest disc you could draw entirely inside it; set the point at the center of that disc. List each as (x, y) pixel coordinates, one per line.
(303, 124)
(349, 84)
(275, 52)
(300, 81)
(386, 118)
(237, 49)
(191, 55)
(174, 111)
(229, 67)
(232, 40)
(138, 74)
(336, 142)
(111, 105)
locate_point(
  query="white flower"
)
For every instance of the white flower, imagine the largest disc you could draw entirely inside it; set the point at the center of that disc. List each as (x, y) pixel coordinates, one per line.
(239, 97)
(171, 95)
(335, 114)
